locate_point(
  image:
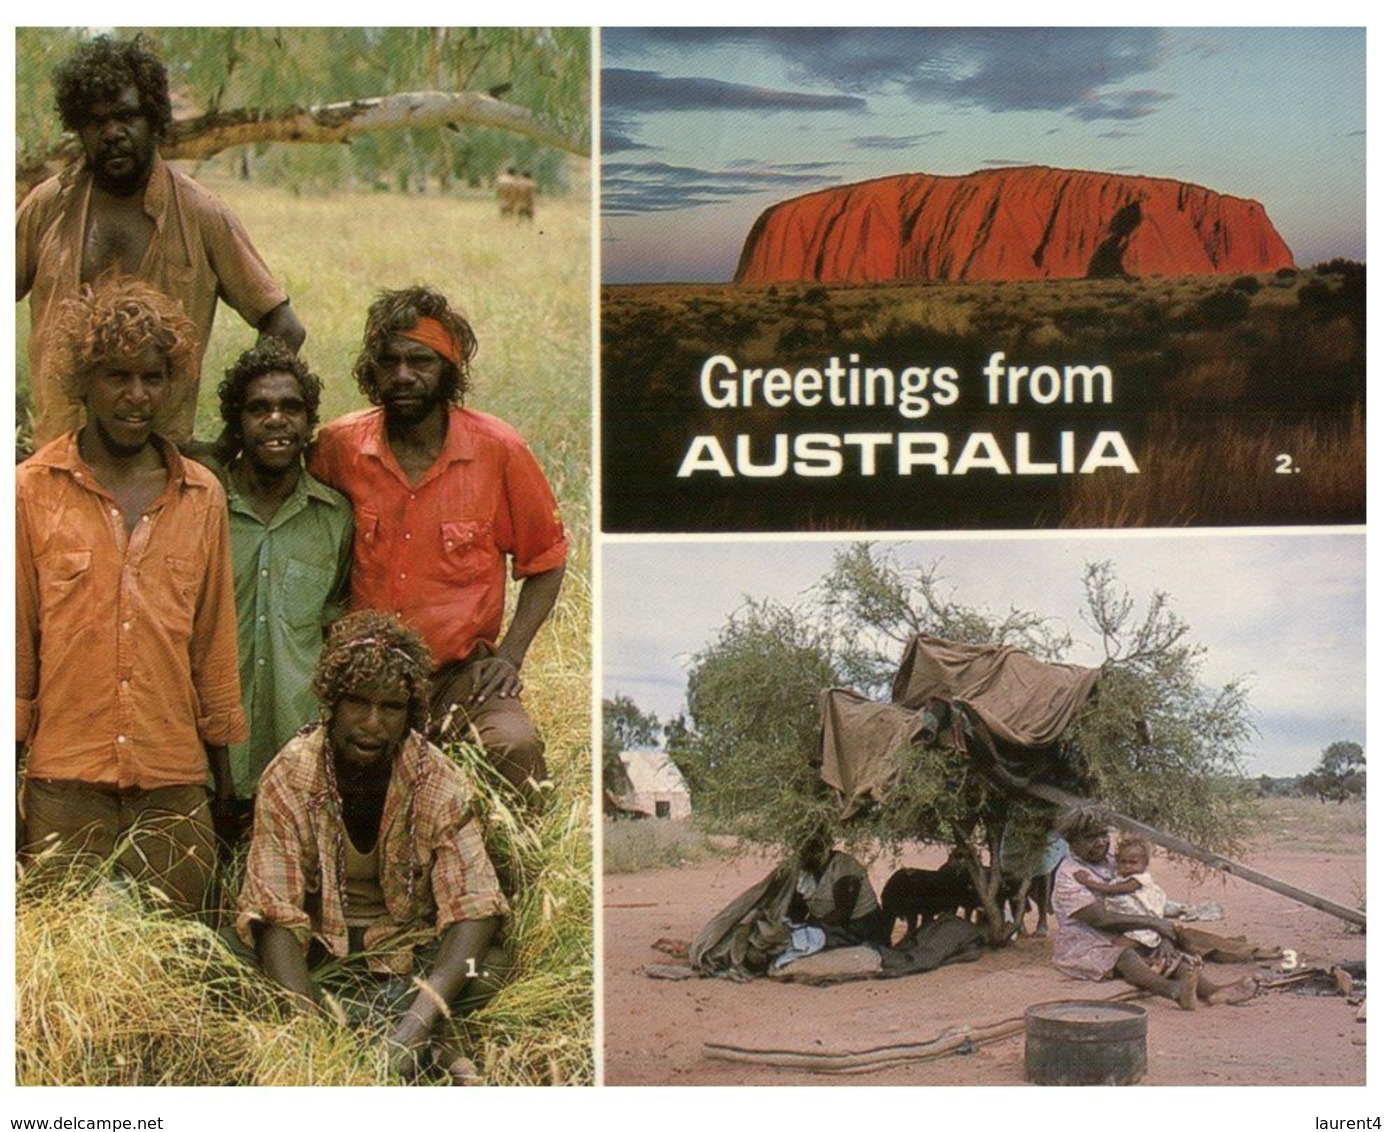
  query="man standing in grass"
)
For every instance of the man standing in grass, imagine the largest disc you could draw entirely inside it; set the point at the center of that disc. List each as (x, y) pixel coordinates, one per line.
(365, 847)
(442, 497)
(123, 210)
(292, 538)
(126, 688)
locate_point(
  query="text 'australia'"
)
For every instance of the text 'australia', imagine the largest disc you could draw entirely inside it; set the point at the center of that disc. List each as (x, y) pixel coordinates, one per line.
(821, 455)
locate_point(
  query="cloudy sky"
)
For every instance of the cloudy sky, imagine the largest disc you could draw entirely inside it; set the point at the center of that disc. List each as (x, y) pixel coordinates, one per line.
(1284, 610)
(705, 128)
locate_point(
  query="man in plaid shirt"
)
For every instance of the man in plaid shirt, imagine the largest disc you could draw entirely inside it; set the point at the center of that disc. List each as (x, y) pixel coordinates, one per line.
(365, 847)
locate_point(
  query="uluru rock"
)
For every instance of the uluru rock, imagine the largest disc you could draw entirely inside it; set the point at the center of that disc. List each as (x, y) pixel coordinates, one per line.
(1029, 222)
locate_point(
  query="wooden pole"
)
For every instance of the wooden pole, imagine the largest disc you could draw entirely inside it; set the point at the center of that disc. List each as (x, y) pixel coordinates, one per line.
(1204, 856)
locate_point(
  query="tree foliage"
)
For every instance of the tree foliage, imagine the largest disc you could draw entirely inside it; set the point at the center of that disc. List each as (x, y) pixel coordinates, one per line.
(546, 70)
(1154, 742)
(751, 696)
(625, 726)
(1339, 776)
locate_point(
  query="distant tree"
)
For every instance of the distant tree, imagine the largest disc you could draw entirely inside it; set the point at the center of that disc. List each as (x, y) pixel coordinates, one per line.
(1339, 776)
(625, 726)
(1154, 742)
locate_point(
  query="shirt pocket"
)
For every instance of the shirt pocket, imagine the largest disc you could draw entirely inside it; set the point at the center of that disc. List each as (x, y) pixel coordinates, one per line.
(467, 549)
(63, 579)
(369, 549)
(304, 590)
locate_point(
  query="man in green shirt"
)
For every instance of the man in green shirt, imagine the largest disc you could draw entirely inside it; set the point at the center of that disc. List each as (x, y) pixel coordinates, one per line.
(292, 541)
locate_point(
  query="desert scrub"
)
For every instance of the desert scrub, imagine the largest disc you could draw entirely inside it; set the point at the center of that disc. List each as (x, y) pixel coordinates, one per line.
(636, 845)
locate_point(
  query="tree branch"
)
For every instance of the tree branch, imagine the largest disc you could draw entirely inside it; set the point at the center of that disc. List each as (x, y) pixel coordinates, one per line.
(205, 136)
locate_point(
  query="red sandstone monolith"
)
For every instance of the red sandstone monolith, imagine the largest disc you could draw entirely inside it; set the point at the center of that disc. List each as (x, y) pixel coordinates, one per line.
(1022, 223)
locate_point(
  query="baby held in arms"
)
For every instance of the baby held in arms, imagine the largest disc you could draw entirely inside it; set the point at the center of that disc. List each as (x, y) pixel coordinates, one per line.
(1134, 892)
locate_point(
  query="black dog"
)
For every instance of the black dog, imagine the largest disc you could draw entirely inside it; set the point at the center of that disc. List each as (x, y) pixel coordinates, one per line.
(920, 895)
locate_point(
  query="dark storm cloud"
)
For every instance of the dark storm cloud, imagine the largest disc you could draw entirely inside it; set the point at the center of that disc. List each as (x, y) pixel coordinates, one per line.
(991, 68)
(886, 141)
(628, 92)
(630, 188)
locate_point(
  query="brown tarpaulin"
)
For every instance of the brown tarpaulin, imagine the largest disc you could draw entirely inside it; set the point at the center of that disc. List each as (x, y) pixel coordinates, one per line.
(1023, 701)
(861, 744)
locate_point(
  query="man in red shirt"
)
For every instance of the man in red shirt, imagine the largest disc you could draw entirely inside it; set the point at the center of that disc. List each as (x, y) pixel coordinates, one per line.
(442, 497)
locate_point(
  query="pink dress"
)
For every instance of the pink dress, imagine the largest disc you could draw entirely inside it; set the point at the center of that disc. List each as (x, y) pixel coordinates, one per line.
(1081, 951)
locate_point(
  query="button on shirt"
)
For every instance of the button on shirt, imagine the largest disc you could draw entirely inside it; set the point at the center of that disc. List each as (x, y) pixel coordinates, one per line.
(125, 644)
(289, 576)
(435, 553)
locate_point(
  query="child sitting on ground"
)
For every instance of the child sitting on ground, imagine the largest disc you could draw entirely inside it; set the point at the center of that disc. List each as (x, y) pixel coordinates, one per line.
(1135, 893)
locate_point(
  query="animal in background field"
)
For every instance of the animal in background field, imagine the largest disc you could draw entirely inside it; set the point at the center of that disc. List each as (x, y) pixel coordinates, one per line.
(920, 895)
(516, 193)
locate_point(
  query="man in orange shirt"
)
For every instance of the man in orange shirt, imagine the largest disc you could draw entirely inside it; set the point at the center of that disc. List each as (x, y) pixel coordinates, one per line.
(126, 686)
(442, 497)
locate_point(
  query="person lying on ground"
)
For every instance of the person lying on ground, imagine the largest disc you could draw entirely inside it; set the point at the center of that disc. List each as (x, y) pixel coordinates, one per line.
(1090, 944)
(366, 853)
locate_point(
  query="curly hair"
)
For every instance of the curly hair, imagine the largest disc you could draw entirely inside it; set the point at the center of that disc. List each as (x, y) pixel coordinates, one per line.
(395, 311)
(118, 317)
(370, 647)
(1133, 841)
(100, 70)
(270, 355)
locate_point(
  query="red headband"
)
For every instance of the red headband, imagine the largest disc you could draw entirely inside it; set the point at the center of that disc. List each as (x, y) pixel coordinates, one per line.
(431, 332)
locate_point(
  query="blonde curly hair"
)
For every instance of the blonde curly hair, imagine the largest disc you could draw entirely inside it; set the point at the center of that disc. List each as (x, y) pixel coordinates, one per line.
(119, 317)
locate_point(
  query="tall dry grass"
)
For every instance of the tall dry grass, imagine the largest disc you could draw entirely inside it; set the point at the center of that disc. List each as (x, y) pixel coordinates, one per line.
(1187, 476)
(109, 992)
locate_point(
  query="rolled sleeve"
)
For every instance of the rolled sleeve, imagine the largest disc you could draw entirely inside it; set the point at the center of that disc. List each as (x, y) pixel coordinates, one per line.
(536, 536)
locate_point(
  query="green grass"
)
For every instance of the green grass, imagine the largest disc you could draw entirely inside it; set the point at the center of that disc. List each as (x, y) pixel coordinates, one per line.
(88, 967)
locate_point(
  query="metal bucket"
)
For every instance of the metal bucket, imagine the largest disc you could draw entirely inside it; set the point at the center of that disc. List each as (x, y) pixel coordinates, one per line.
(1085, 1043)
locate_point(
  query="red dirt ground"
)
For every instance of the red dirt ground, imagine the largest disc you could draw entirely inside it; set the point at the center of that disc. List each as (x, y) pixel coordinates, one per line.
(654, 1030)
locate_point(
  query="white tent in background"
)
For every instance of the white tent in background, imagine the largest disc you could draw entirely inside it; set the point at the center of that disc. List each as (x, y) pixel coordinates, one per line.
(656, 787)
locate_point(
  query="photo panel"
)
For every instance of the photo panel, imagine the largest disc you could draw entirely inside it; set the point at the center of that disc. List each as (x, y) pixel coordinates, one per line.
(943, 279)
(409, 209)
(978, 409)
(913, 700)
